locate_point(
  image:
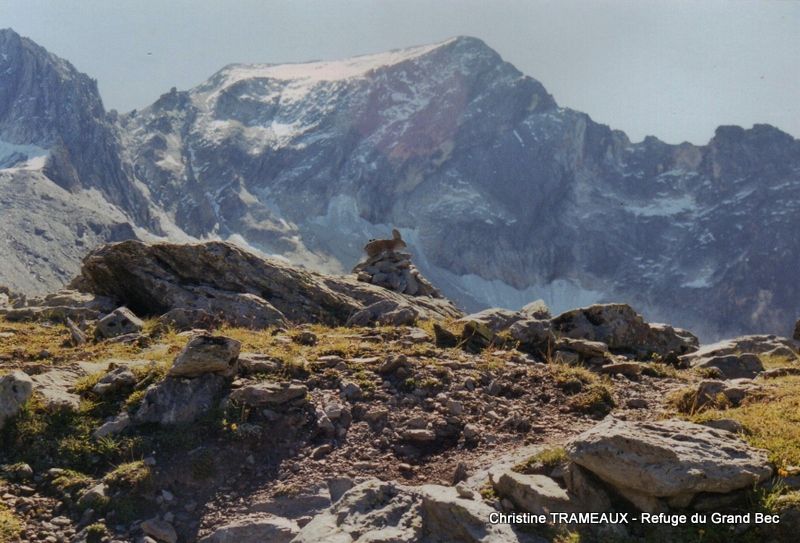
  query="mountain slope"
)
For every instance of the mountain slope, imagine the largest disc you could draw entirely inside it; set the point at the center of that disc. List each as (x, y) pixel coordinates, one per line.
(65, 185)
(502, 195)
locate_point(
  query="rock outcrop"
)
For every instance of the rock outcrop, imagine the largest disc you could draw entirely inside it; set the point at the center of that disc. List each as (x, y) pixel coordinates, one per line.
(768, 345)
(386, 511)
(653, 464)
(622, 329)
(223, 279)
(395, 271)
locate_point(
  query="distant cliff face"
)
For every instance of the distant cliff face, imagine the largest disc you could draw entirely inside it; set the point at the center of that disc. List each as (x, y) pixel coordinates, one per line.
(47, 105)
(502, 195)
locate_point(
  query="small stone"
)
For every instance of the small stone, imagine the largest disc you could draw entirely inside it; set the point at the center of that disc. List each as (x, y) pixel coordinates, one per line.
(351, 391)
(322, 450)
(119, 322)
(455, 407)
(637, 403)
(465, 492)
(160, 530)
(471, 432)
(305, 338)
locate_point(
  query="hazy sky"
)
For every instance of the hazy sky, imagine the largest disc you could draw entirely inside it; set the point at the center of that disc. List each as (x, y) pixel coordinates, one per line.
(675, 69)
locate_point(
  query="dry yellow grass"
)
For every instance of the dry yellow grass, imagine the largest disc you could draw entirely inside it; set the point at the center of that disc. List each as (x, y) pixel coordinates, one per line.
(772, 422)
(10, 525)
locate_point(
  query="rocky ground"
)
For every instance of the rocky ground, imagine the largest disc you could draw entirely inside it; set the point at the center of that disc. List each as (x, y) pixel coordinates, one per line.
(199, 393)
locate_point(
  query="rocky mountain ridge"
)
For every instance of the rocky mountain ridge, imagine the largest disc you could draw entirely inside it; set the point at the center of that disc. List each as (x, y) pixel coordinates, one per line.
(502, 195)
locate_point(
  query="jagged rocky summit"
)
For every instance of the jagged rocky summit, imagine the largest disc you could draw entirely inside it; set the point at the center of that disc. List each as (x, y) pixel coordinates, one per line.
(503, 195)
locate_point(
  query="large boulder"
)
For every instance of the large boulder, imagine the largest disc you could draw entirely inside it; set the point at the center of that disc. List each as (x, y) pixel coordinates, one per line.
(385, 511)
(623, 330)
(225, 280)
(176, 400)
(15, 389)
(648, 462)
(205, 353)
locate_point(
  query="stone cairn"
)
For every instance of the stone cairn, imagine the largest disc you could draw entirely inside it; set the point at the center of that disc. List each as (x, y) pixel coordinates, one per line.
(389, 268)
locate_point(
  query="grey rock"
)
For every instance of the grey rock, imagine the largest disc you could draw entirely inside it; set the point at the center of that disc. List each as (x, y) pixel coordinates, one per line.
(387, 312)
(182, 319)
(732, 366)
(113, 426)
(494, 318)
(631, 370)
(393, 270)
(254, 528)
(584, 348)
(117, 379)
(622, 329)
(379, 511)
(93, 496)
(667, 459)
(160, 530)
(269, 394)
(252, 363)
(351, 391)
(535, 494)
(533, 334)
(733, 391)
(15, 389)
(119, 322)
(176, 400)
(55, 388)
(205, 353)
(224, 280)
(756, 344)
(728, 425)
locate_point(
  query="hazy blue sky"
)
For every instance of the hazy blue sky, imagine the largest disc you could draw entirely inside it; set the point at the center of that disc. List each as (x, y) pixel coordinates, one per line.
(672, 68)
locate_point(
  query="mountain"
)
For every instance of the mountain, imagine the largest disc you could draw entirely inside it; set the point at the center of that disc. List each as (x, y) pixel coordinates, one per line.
(502, 195)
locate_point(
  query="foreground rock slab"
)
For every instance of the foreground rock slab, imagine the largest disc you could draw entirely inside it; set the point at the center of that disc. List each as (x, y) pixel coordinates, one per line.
(386, 511)
(673, 459)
